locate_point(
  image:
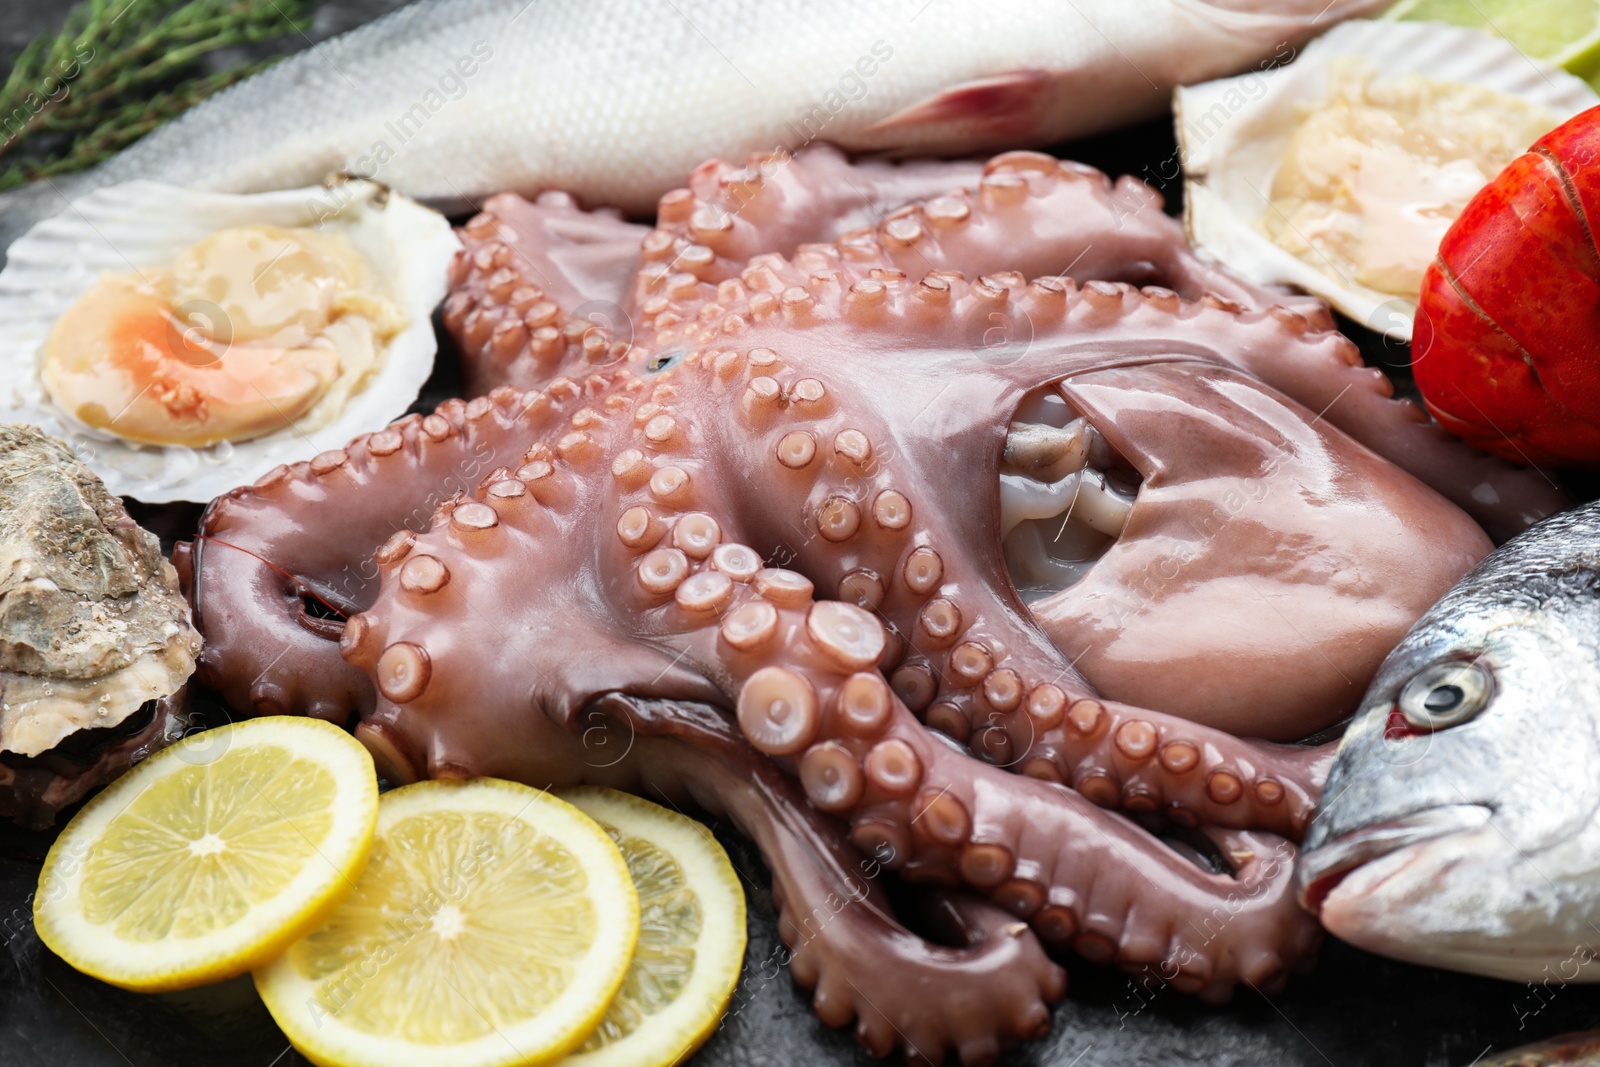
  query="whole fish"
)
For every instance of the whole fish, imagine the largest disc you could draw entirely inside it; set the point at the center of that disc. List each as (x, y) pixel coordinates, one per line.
(1460, 825)
(615, 100)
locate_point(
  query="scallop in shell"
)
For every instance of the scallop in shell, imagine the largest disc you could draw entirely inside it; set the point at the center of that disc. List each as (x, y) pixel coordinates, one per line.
(138, 328)
(95, 636)
(1393, 126)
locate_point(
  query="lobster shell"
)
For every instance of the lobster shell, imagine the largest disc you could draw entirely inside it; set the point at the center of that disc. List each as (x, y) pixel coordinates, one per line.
(1506, 346)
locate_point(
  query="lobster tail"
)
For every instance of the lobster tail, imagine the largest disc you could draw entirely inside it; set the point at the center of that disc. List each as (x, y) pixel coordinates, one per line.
(1507, 341)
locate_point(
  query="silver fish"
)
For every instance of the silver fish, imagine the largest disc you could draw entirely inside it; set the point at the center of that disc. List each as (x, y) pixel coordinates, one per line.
(1460, 826)
(616, 100)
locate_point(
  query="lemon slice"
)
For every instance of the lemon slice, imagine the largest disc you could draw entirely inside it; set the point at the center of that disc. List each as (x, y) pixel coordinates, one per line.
(1564, 33)
(491, 926)
(691, 935)
(209, 858)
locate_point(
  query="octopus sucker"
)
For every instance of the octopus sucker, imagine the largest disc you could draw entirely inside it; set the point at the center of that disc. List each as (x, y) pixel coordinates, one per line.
(894, 561)
(96, 643)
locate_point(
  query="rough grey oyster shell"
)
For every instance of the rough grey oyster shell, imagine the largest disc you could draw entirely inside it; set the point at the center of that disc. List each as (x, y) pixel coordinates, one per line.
(93, 628)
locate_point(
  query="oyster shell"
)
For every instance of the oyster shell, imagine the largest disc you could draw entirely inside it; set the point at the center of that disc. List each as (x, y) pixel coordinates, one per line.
(142, 225)
(94, 631)
(1233, 133)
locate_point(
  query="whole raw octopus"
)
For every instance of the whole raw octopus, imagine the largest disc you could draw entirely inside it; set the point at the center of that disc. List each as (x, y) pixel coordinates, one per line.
(805, 507)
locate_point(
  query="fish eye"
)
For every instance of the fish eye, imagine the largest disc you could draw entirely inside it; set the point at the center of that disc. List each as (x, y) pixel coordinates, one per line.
(662, 361)
(1444, 694)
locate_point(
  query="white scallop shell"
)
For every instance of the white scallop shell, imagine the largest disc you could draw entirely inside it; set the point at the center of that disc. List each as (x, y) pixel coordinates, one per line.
(148, 224)
(1231, 155)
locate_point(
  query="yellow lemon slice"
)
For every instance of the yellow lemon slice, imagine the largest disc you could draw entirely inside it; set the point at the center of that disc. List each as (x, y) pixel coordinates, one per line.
(209, 858)
(492, 926)
(691, 935)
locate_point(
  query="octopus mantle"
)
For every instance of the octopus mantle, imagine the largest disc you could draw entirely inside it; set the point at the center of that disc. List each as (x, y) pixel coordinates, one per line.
(724, 529)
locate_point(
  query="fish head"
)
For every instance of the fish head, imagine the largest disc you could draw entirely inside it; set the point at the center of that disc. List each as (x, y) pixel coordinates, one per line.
(1457, 827)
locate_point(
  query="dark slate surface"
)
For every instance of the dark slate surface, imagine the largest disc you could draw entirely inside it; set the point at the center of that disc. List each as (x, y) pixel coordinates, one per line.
(1354, 1010)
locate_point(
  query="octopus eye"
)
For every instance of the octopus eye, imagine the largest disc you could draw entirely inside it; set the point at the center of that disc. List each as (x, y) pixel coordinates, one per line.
(661, 361)
(1445, 694)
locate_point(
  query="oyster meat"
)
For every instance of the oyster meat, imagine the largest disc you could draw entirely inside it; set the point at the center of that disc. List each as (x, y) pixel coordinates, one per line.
(95, 636)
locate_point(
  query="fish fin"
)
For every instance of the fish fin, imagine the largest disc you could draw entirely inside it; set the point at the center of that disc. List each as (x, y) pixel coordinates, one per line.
(1009, 104)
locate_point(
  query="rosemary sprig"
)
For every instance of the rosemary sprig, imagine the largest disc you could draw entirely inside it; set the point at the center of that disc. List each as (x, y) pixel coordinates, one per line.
(117, 69)
(124, 125)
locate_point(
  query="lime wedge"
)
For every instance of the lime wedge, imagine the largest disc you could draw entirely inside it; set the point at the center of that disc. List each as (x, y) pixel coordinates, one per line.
(1564, 33)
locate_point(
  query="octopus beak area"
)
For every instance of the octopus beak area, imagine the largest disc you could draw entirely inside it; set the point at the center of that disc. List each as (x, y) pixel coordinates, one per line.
(1065, 495)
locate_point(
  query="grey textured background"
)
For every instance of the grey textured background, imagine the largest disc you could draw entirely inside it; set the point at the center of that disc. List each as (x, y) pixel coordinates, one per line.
(1354, 1010)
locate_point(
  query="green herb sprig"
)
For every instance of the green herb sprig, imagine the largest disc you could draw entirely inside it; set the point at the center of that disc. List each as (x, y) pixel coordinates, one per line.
(117, 69)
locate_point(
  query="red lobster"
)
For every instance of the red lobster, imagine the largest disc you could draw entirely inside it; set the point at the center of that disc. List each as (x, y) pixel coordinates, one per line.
(1506, 347)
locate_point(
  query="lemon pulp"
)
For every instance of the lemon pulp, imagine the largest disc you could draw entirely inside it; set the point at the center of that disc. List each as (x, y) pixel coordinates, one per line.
(691, 935)
(491, 926)
(208, 858)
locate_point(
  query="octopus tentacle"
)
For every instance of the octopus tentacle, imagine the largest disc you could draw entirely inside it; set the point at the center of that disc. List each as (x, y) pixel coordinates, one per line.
(1038, 216)
(809, 700)
(1024, 212)
(540, 285)
(1023, 215)
(834, 915)
(1360, 400)
(266, 568)
(778, 202)
(1140, 761)
(938, 996)
(1119, 756)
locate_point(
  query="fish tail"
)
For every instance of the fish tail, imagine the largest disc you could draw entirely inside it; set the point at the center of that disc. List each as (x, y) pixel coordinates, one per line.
(23, 208)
